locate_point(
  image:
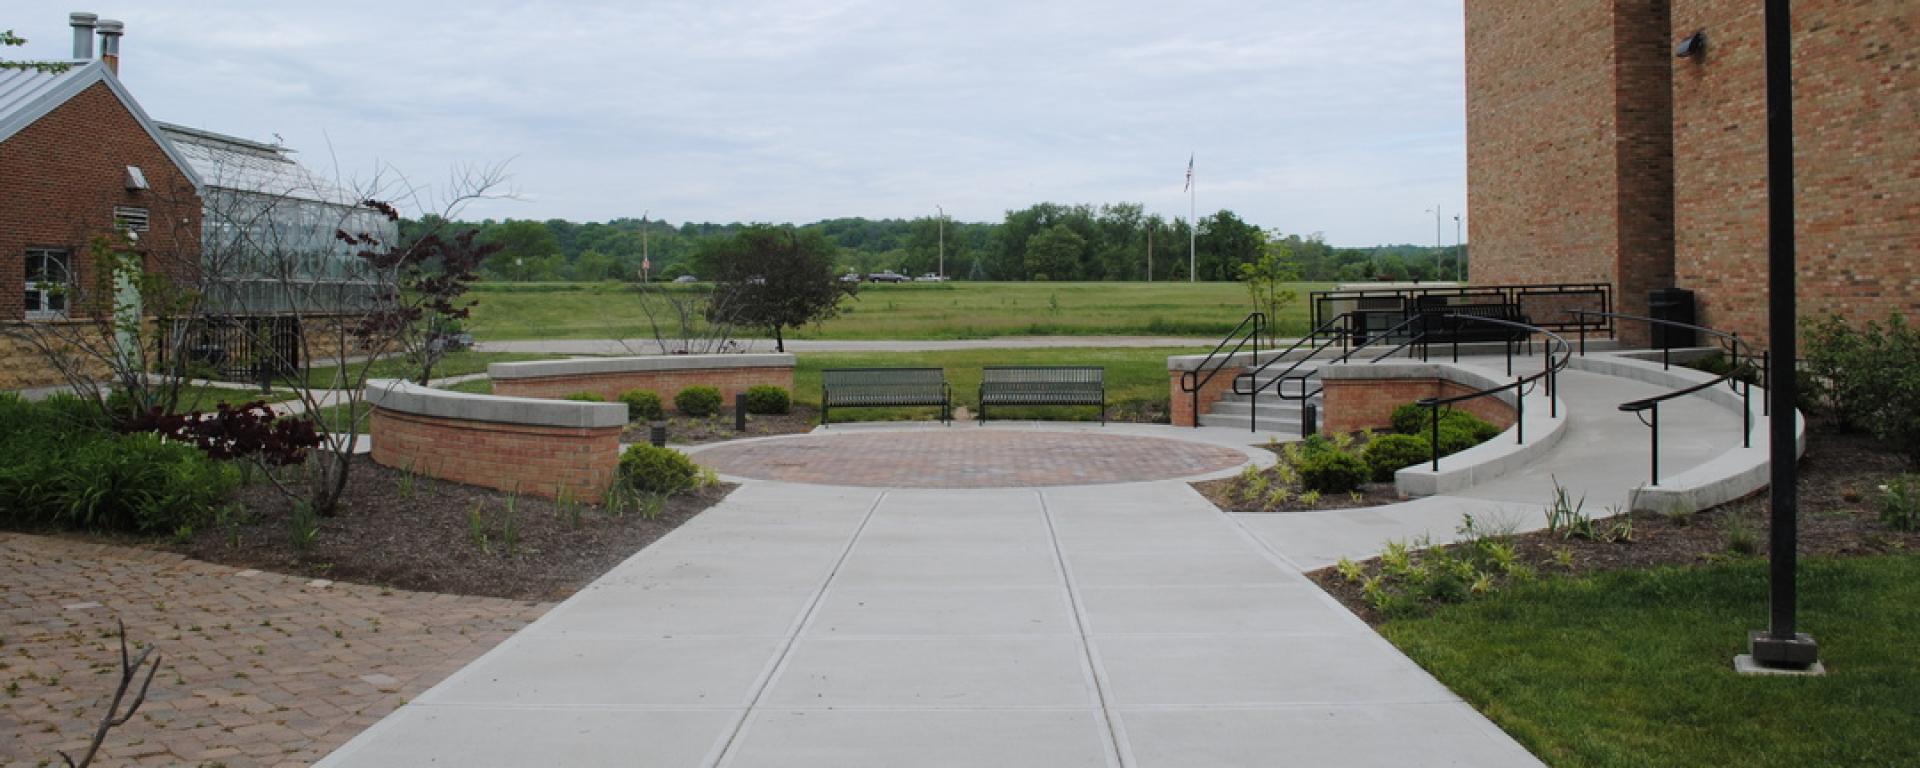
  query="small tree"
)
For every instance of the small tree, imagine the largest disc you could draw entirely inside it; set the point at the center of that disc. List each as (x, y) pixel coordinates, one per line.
(1268, 280)
(774, 278)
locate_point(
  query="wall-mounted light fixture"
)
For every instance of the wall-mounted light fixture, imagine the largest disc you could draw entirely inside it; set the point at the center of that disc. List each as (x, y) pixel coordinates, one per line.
(1695, 46)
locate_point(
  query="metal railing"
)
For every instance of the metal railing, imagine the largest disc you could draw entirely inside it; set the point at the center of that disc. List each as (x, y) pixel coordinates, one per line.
(236, 347)
(1521, 386)
(1647, 410)
(1248, 331)
(1278, 383)
(1553, 306)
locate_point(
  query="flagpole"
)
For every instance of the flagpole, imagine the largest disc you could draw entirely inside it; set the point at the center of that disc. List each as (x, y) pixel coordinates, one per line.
(1193, 225)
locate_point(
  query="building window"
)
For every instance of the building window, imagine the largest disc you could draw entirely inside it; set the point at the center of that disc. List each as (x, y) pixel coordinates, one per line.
(48, 280)
(130, 219)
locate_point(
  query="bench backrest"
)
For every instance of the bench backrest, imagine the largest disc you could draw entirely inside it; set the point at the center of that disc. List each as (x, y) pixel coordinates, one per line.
(867, 381)
(1043, 375)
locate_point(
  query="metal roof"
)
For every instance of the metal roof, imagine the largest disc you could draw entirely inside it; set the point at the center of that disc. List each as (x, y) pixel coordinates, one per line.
(26, 95)
(242, 165)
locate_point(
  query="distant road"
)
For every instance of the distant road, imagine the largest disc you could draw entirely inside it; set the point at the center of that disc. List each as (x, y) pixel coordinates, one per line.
(647, 346)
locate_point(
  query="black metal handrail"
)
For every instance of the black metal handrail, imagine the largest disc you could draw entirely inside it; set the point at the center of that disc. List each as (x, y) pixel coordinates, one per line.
(1190, 381)
(1650, 406)
(1278, 382)
(1388, 334)
(1521, 386)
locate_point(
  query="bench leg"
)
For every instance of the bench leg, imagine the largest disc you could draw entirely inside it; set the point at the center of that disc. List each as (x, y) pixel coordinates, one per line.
(826, 414)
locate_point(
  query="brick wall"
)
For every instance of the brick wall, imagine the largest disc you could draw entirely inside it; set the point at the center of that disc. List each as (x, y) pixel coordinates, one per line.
(1356, 404)
(540, 461)
(1181, 402)
(1568, 176)
(63, 176)
(664, 383)
(1857, 158)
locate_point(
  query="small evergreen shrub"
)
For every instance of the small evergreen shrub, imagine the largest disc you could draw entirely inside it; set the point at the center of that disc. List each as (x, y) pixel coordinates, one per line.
(1332, 471)
(643, 405)
(698, 402)
(651, 469)
(1388, 454)
(1900, 503)
(1871, 376)
(585, 397)
(1415, 419)
(767, 398)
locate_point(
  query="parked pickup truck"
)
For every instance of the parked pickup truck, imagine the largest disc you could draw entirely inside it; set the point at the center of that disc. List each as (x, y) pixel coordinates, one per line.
(887, 276)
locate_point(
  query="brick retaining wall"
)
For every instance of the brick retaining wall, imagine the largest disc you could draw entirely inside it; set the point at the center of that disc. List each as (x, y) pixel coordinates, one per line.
(533, 447)
(664, 375)
(1352, 405)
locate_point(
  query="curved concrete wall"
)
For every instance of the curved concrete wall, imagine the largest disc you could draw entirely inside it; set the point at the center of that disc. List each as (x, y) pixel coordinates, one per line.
(548, 448)
(665, 375)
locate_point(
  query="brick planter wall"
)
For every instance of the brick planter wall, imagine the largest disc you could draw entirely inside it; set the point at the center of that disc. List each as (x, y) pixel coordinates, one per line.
(1356, 404)
(530, 447)
(665, 376)
(1181, 402)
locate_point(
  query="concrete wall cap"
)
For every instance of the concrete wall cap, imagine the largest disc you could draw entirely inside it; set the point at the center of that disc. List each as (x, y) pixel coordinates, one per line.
(590, 366)
(408, 397)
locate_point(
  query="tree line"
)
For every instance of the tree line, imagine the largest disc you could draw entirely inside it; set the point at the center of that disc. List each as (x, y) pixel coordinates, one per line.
(1045, 241)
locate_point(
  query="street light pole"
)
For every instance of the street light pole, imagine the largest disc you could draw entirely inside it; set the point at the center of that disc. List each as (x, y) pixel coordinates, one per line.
(943, 240)
(1781, 647)
(1459, 268)
(1437, 246)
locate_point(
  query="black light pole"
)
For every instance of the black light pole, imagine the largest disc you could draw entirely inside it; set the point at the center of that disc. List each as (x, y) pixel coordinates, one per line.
(1780, 646)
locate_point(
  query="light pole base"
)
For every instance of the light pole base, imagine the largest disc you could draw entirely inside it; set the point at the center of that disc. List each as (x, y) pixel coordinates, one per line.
(1744, 664)
(1771, 655)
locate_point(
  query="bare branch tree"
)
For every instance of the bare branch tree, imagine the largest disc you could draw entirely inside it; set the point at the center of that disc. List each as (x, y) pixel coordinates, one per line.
(129, 668)
(686, 321)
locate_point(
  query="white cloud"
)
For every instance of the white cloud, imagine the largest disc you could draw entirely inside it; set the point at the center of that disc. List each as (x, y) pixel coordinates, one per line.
(1306, 115)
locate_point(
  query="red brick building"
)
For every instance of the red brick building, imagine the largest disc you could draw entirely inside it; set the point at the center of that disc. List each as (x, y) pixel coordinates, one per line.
(78, 159)
(1595, 153)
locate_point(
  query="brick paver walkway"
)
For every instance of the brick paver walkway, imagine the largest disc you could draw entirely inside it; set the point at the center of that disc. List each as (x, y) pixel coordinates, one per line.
(969, 458)
(260, 669)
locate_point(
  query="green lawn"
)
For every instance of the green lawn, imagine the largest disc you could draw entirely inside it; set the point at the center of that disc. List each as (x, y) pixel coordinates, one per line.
(1131, 375)
(906, 311)
(1634, 668)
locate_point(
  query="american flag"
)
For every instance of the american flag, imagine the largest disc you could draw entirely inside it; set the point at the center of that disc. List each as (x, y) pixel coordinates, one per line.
(1189, 174)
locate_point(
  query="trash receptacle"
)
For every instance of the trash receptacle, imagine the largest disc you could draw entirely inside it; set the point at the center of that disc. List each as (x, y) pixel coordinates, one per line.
(1675, 305)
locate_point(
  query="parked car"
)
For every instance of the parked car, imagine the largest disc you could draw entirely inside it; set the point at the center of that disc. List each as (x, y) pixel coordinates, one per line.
(686, 279)
(887, 276)
(850, 277)
(930, 278)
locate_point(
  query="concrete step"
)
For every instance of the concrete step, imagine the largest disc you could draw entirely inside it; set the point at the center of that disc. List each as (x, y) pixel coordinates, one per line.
(1276, 426)
(1269, 407)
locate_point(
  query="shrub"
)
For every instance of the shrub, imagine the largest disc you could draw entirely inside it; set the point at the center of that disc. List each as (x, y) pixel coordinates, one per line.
(1390, 453)
(1871, 376)
(1453, 439)
(56, 472)
(767, 398)
(1900, 503)
(1415, 419)
(698, 402)
(651, 469)
(1332, 471)
(585, 397)
(643, 405)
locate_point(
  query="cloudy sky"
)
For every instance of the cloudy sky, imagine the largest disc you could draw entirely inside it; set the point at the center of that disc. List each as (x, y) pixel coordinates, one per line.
(1338, 116)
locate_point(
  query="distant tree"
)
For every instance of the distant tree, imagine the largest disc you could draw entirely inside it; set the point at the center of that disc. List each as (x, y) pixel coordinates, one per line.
(774, 278)
(527, 250)
(594, 266)
(1056, 253)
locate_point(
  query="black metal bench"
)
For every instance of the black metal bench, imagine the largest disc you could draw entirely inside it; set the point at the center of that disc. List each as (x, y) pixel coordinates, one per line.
(880, 387)
(1441, 329)
(1043, 385)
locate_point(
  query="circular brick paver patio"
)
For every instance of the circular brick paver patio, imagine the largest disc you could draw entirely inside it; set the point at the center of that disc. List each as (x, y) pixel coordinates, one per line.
(969, 459)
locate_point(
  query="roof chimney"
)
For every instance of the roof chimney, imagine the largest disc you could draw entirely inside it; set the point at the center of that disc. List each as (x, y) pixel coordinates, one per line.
(82, 34)
(110, 31)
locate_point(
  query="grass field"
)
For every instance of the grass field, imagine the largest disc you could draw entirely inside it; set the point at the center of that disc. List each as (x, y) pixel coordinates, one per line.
(1635, 668)
(906, 311)
(456, 364)
(1133, 376)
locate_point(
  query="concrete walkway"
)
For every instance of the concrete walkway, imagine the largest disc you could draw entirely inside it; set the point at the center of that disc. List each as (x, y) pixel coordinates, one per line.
(1128, 624)
(650, 347)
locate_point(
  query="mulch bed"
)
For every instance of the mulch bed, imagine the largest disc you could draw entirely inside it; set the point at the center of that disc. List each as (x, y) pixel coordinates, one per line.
(687, 430)
(1222, 493)
(422, 539)
(1840, 476)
